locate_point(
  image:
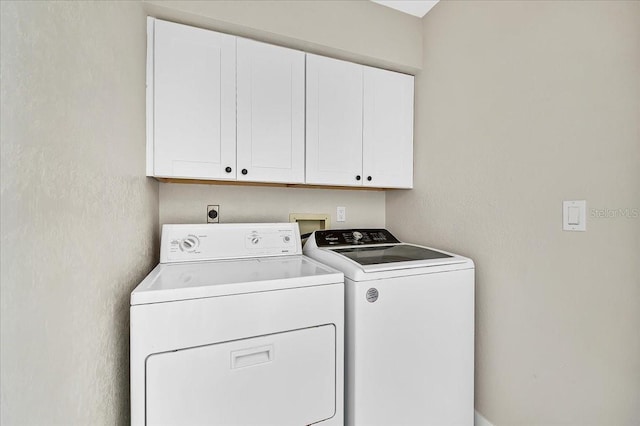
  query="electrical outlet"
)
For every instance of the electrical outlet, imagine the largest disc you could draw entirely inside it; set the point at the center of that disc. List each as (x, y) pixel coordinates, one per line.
(213, 213)
(341, 214)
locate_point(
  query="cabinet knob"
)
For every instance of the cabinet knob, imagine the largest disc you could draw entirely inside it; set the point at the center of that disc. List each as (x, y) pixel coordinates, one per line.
(358, 177)
(369, 178)
(228, 169)
(244, 171)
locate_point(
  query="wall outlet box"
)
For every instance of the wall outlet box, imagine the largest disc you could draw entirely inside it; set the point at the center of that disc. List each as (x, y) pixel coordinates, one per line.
(213, 213)
(309, 222)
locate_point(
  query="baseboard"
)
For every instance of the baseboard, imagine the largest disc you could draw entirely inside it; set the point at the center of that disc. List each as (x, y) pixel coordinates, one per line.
(479, 420)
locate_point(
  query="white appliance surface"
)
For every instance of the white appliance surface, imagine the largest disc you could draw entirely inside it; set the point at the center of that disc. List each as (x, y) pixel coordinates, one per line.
(252, 334)
(192, 280)
(375, 258)
(409, 329)
(304, 359)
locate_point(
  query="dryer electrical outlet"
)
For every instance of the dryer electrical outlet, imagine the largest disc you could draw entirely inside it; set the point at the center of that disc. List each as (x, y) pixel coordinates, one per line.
(213, 213)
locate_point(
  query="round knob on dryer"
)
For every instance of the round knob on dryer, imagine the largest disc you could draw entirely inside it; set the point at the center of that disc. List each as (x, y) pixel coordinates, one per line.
(189, 243)
(245, 171)
(228, 169)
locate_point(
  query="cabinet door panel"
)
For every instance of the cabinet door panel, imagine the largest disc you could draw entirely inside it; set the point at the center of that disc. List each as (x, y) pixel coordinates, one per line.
(387, 129)
(270, 113)
(334, 122)
(193, 102)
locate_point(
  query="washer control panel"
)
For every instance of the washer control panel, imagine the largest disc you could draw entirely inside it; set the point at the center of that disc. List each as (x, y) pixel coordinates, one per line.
(352, 237)
(184, 243)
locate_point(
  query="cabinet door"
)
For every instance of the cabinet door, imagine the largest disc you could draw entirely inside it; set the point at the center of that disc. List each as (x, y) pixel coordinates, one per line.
(334, 122)
(194, 102)
(387, 148)
(270, 113)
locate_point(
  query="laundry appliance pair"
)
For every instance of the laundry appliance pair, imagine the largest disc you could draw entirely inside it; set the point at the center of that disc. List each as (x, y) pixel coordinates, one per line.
(236, 326)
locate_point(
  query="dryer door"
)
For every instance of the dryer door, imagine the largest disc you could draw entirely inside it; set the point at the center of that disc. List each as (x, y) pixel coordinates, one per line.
(279, 379)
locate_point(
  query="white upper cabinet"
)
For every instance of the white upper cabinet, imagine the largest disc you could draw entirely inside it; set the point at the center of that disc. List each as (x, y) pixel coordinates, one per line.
(334, 122)
(220, 107)
(270, 114)
(387, 148)
(191, 102)
(359, 125)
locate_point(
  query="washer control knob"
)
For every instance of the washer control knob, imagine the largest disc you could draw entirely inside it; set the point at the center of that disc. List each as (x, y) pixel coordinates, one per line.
(286, 238)
(357, 235)
(189, 244)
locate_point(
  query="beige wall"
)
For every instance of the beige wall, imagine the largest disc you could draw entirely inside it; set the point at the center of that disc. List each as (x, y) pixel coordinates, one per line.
(522, 105)
(180, 203)
(355, 30)
(78, 219)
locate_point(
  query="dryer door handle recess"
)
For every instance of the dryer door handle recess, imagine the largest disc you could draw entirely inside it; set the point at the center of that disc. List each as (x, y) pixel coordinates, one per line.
(251, 356)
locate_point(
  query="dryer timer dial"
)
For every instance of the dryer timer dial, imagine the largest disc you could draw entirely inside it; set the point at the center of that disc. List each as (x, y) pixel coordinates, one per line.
(189, 244)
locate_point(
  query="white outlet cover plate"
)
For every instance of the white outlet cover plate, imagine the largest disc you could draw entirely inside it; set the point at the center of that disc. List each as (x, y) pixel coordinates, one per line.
(574, 215)
(341, 214)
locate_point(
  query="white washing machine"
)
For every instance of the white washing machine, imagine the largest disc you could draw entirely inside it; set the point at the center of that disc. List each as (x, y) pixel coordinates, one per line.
(409, 331)
(236, 327)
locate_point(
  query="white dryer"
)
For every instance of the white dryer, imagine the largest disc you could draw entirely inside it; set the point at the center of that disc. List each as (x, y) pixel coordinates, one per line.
(409, 333)
(236, 327)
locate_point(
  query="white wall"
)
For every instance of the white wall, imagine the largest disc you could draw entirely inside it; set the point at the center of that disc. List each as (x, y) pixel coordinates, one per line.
(79, 218)
(521, 105)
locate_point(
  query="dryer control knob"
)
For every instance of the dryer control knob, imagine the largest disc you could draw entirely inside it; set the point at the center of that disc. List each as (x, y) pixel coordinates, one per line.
(189, 243)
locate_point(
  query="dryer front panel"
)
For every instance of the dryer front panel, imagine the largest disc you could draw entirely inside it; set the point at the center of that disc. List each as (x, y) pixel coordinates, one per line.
(285, 378)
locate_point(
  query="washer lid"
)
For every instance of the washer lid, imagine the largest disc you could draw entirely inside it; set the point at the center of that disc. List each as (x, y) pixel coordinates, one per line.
(375, 255)
(195, 280)
(398, 259)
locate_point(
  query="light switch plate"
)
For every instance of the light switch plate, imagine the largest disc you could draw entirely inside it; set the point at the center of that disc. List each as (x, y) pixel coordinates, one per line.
(574, 215)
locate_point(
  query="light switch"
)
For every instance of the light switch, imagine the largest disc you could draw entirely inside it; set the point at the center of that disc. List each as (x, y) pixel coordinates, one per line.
(574, 215)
